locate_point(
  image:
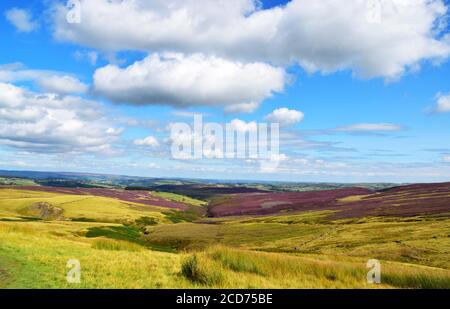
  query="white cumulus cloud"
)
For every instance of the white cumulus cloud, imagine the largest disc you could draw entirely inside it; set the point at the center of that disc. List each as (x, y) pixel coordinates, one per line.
(193, 80)
(325, 36)
(242, 126)
(21, 19)
(62, 84)
(285, 116)
(49, 123)
(443, 103)
(242, 108)
(50, 81)
(149, 141)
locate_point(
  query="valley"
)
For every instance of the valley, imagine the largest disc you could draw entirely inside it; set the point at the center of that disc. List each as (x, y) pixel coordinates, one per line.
(224, 236)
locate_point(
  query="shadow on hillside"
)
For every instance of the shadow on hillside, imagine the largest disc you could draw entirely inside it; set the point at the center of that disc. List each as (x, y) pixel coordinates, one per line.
(124, 233)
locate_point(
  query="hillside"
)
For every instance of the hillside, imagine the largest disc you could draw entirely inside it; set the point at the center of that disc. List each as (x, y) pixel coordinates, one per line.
(151, 239)
(410, 200)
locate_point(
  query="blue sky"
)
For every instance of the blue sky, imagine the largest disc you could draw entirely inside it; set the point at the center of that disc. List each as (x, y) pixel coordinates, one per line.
(358, 99)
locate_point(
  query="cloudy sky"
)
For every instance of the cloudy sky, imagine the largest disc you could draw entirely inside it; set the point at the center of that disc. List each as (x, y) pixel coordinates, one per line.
(361, 88)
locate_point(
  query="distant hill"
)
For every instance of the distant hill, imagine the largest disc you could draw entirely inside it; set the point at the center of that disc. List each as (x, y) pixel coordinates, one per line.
(405, 201)
(186, 186)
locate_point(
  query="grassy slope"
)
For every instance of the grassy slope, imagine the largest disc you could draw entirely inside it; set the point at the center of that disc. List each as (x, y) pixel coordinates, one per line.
(102, 209)
(422, 241)
(308, 250)
(180, 198)
(34, 255)
(225, 267)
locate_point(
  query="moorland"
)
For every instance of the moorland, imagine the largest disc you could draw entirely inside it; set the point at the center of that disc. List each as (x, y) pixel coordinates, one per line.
(163, 233)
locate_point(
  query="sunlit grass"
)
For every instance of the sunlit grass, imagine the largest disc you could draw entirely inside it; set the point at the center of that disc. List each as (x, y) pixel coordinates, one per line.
(117, 246)
(179, 198)
(227, 268)
(38, 260)
(103, 209)
(36, 257)
(412, 240)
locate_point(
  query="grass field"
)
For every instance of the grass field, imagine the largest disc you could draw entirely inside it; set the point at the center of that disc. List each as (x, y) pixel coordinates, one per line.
(180, 198)
(16, 181)
(100, 209)
(129, 245)
(424, 241)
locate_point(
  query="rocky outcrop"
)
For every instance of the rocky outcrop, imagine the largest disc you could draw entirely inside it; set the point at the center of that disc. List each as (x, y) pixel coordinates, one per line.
(45, 211)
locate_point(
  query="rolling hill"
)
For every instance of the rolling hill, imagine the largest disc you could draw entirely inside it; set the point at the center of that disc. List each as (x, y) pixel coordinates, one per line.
(232, 238)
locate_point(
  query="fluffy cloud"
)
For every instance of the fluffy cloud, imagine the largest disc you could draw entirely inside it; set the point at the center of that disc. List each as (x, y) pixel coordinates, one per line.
(190, 80)
(443, 103)
(149, 141)
(62, 84)
(21, 19)
(242, 126)
(382, 40)
(50, 81)
(285, 116)
(52, 124)
(369, 127)
(241, 108)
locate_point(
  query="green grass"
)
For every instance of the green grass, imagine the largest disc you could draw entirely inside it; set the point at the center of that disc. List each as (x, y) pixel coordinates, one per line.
(33, 256)
(120, 245)
(176, 216)
(94, 208)
(129, 234)
(423, 241)
(236, 262)
(126, 233)
(115, 245)
(201, 272)
(143, 222)
(417, 279)
(180, 198)
(12, 181)
(223, 267)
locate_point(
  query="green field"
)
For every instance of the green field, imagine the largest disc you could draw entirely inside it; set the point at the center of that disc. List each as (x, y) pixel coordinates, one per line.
(180, 198)
(128, 245)
(7, 181)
